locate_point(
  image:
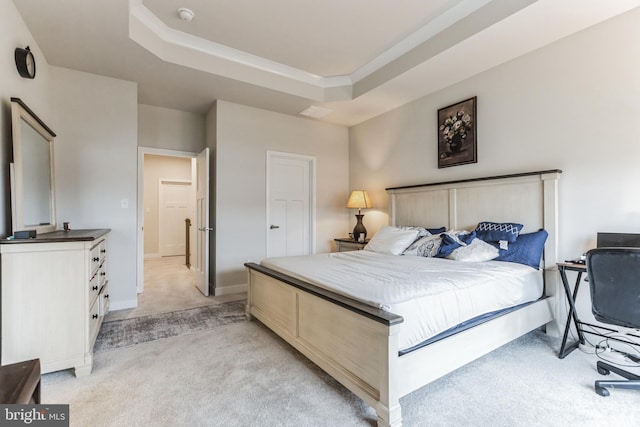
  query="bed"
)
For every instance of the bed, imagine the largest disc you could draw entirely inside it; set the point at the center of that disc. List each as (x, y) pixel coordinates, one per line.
(362, 344)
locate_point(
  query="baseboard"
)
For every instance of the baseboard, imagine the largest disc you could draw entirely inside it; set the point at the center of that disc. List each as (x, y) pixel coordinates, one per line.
(227, 290)
(122, 305)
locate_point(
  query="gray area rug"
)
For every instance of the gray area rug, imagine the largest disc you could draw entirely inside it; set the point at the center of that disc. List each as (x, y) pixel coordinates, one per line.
(128, 332)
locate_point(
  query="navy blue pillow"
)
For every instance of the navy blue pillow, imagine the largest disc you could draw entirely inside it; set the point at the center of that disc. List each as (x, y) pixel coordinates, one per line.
(527, 249)
(435, 231)
(496, 231)
(449, 244)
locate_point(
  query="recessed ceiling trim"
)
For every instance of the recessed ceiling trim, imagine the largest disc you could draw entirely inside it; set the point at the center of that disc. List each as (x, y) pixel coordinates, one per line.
(441, 22)
(184, 49)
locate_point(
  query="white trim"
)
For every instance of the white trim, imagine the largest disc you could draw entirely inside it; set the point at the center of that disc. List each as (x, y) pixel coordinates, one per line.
(169, 181)
(178, 47)
(123, 305)
(312, 195)
(229, 290)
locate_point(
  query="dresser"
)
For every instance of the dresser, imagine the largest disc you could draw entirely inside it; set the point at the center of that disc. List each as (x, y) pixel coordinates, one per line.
(55, 294)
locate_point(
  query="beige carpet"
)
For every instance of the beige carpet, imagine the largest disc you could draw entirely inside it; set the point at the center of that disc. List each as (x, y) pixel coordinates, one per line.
(168, 286)
(243, 375)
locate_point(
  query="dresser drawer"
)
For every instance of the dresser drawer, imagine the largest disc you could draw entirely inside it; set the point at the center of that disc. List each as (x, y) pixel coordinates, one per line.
(102, 273)
(97, 255)
(104, 300)
(94, 288)
(94, 259)
(94, 322)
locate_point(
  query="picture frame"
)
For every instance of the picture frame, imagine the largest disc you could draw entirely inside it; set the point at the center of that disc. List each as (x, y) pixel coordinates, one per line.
(457, 134)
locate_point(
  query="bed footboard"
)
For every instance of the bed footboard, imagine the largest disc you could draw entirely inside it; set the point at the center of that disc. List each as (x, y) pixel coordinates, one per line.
(355, 344)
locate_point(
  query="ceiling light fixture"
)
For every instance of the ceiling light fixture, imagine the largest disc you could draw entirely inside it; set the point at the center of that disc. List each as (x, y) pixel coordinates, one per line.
(186, 14)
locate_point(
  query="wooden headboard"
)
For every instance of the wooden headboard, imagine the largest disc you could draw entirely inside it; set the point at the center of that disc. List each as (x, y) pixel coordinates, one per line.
(529, 198)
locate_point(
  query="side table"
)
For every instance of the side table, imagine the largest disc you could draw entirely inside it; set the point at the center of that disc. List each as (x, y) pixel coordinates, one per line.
(348, 244)
(563, 267)
(20, 382)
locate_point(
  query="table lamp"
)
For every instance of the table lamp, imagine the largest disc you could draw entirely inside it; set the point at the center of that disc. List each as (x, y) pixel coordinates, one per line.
(359, 199)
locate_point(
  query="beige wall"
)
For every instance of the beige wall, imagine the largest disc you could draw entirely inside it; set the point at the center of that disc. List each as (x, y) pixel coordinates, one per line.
(170, 129)
(95, 119)
(243, 136)
(157, 168)
(572, 105)
(95, 166)
(35, 93)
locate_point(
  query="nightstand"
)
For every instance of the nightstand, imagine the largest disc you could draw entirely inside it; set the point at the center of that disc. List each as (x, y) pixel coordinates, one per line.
(346, 244)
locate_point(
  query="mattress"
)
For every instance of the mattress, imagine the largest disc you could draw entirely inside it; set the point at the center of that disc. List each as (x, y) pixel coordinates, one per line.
(431, 294)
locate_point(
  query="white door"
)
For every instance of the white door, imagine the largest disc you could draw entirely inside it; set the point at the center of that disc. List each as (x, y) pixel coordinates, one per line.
(174, 208)
(202, 222)
(289, 199)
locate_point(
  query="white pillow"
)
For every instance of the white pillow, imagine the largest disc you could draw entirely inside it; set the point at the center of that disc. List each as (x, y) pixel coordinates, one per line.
(476, 251)
(391, 240)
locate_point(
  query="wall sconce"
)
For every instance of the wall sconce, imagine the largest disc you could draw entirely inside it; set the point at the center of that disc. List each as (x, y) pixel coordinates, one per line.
(359, 199)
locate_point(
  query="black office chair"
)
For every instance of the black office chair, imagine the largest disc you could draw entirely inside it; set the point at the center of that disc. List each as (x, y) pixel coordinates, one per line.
(614, 280)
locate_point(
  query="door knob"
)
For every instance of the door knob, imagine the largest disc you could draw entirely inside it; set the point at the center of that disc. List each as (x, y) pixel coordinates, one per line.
(274, 226)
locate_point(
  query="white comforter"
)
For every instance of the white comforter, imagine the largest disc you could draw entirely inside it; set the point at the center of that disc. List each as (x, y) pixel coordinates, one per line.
(431, 294)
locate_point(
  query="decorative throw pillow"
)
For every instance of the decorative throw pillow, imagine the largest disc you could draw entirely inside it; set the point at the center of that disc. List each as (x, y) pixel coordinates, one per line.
(496, 231)
(476, 251)
(427, 246)
(437, 230)
(527, 249)
(422, 232)
(391, 240)
(452, 240)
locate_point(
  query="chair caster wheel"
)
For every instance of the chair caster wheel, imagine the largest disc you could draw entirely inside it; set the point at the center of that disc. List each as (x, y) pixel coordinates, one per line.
(603, 371)
(602, 391)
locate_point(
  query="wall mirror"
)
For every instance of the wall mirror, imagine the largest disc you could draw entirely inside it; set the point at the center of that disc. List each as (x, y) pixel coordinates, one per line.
(32, 186)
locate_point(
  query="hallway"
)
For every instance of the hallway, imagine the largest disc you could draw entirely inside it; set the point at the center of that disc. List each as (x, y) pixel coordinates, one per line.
(168, 286)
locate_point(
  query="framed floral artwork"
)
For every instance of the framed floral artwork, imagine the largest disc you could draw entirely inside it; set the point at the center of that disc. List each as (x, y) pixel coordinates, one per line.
(457, 140)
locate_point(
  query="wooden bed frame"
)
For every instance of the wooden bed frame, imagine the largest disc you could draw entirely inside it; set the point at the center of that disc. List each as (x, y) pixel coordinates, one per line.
(358, 344)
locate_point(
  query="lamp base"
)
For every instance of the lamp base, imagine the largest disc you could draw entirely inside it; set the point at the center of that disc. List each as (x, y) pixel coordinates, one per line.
(359, 231)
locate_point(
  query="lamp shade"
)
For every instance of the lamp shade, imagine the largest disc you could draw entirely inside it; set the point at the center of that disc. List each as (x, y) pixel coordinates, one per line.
(359, 199)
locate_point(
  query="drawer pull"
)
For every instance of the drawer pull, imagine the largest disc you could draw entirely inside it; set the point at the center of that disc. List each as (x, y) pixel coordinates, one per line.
(95, 288)
(95, 316)
(103, 273)
(106, 296)
(103, 251)
(96, 259)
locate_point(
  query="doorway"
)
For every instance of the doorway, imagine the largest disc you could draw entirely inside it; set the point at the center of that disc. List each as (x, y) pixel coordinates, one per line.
(175, 207)
(166, 198)
(290, 204)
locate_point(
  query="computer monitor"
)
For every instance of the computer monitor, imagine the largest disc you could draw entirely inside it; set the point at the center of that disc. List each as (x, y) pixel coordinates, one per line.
(615, 240)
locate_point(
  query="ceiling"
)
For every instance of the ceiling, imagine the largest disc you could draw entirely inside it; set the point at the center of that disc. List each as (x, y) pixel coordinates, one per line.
(353, 59)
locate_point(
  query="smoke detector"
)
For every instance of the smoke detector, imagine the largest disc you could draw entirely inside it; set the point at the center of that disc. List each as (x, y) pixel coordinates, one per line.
(186, 14)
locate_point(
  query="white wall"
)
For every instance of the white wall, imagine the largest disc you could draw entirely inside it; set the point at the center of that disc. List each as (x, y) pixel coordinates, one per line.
(243, 136)
(95, 119)
(572, 105)
(35, 93)
(170, 129)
